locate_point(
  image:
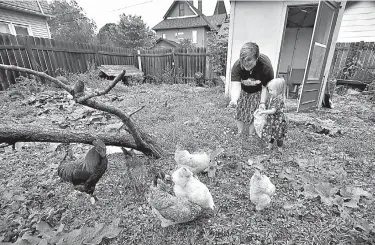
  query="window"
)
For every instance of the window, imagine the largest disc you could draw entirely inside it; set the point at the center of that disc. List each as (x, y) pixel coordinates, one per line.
(164, 36)
(195, 36)
(4, 27)
(181, 9)
(15, 29)
(21, 30)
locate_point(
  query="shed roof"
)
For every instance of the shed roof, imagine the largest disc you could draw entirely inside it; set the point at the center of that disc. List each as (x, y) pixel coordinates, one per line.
(170, 42)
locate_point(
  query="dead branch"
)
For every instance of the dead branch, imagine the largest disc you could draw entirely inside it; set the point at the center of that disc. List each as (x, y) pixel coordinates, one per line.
(105, 91)
(37, 73)
(143, 141)
(368, 92)
(132, 113)
(30, 133)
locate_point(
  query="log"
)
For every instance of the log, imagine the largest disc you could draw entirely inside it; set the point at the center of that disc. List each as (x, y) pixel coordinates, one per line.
(32, 133)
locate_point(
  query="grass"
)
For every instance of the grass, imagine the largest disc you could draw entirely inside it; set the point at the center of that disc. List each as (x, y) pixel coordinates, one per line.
(200, 120)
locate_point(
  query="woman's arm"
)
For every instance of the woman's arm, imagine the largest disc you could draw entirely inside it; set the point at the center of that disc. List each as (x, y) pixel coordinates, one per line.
(263, 97)
(235, 91)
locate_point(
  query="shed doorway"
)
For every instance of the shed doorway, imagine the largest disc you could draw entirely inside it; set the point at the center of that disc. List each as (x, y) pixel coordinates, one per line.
(318, 23)
(296, 41)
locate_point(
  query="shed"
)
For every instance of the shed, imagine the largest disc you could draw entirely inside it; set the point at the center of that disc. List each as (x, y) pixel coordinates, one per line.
(111, 71)
(165, 43)
(299, 37)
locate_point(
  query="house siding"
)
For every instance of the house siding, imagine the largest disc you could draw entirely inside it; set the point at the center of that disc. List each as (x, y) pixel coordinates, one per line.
(176, 13)
(170, 34)
(358, 23)
(38, 24)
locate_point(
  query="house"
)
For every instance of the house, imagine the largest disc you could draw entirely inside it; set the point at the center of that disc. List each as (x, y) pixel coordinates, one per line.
(25, 17)
(358, 23)
(165, 43)
(183, 20)
(299, 37)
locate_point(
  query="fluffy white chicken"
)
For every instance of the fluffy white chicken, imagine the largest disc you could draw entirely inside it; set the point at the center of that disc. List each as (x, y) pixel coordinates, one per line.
(261, 190)
(196, 162)
(170, 210)
(186, 185)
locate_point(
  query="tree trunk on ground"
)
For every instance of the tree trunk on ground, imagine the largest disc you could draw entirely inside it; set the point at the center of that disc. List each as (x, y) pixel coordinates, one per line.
(29, 133)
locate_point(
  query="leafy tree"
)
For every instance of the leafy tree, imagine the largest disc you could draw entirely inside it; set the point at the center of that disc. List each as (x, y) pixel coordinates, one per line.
(217, 47)
(132, 32)
(71, 23)
(107, 35)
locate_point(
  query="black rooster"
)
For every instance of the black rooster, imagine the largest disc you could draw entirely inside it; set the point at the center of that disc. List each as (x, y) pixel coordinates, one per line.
(86, 174)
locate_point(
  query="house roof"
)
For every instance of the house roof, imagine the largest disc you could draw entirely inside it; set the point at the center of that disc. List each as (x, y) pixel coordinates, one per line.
(38, 7)
(176, 2)
(201, 20)
(220, 8)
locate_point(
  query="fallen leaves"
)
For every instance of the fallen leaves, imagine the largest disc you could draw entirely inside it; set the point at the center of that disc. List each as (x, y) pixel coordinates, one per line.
(85, 235)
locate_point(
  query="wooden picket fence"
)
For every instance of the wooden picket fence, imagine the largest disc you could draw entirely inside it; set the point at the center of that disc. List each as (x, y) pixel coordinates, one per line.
(48, 55)
(359, 57)
(185, 62)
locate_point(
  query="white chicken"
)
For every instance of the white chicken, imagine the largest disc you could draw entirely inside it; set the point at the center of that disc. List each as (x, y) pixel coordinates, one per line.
(169, 209)
(186, 185)
(261, 190)
(196, 162)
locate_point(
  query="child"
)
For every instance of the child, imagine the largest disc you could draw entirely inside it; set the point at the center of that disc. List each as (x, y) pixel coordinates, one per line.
(275, 128)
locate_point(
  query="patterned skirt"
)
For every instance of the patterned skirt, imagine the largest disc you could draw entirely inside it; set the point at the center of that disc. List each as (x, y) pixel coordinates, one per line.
(275, 127)
(246, 106)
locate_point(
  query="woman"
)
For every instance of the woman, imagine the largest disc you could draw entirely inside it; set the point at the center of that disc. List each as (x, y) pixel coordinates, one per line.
(250, 75)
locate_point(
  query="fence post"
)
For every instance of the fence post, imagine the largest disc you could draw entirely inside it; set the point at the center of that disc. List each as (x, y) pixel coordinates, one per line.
(139, 60)
(96, 55)
(174, 65)
(29, 52)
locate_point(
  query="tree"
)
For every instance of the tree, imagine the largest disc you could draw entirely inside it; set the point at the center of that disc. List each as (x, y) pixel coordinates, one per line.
(217, 46)
(132, 32)
(107, 35)
(70, 23)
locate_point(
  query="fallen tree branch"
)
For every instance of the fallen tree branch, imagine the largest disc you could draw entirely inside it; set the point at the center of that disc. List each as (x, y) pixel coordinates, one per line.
(105, 91)
(37, 73)
(143, 141)
(31, 133)
(132, 113)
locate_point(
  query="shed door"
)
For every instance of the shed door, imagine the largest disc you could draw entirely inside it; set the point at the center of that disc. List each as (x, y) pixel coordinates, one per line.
(324, 26)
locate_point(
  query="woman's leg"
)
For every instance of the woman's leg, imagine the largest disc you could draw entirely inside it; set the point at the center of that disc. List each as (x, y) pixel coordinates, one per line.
(251, 128)
(242, 128)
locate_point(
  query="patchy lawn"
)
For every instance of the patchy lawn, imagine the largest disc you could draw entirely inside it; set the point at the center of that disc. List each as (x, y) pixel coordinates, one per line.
(324, 180)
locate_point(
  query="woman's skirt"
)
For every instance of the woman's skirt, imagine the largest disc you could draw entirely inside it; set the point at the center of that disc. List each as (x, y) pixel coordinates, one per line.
(246, 106)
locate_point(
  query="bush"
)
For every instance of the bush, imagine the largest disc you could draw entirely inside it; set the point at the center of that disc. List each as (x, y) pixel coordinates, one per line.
(167, 76)
(217, 47)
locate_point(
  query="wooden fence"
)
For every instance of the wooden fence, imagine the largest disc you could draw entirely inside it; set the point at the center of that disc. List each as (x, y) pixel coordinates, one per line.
(48, 55)
(354, 61)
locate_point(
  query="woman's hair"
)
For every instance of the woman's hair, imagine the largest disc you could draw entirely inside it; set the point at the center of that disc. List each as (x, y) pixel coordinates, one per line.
(249, 50)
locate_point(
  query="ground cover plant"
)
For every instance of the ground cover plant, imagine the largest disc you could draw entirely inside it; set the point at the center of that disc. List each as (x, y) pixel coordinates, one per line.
(324, 179)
